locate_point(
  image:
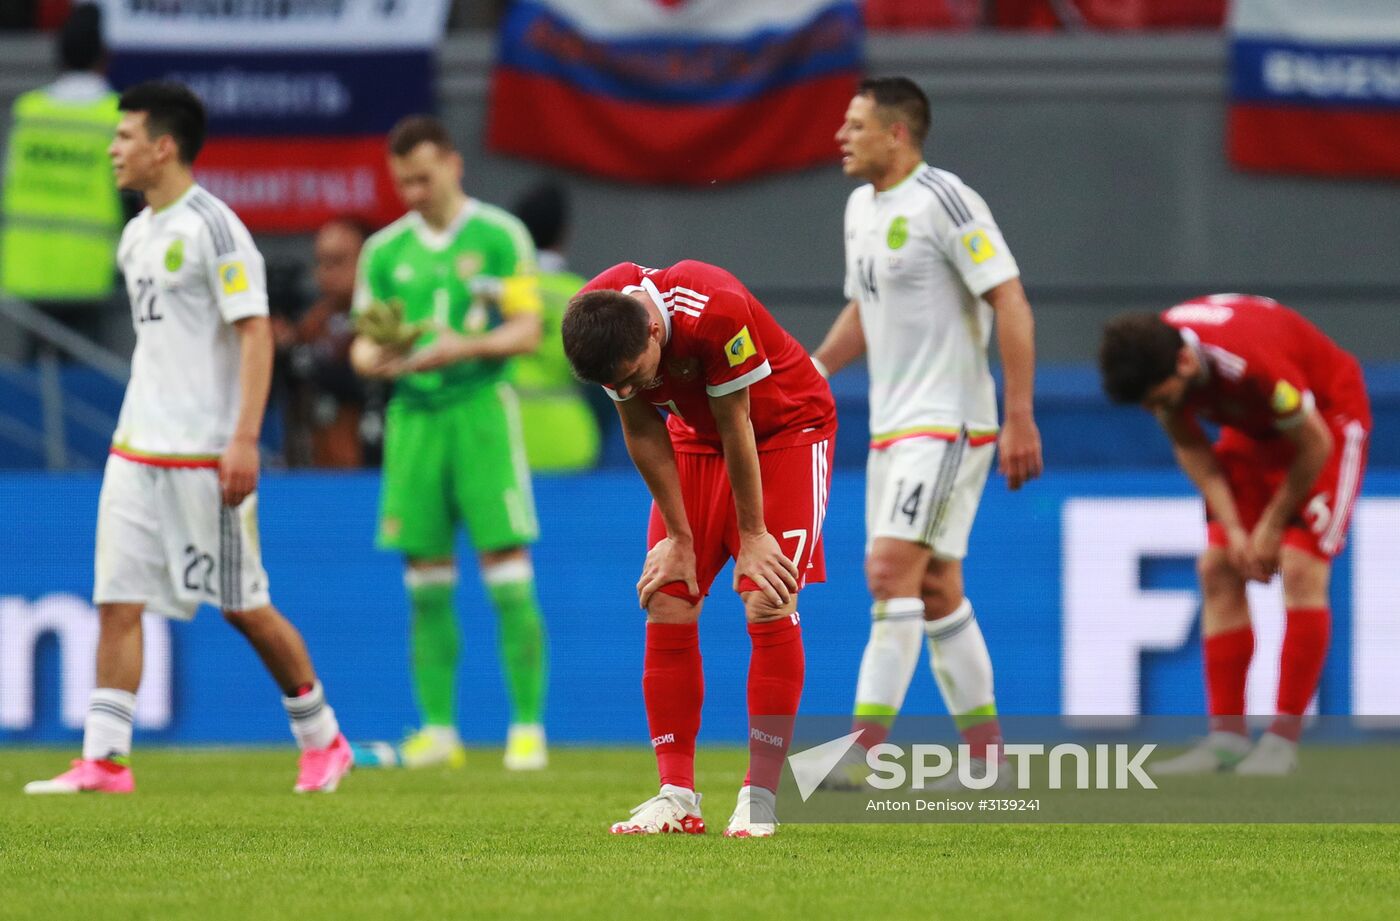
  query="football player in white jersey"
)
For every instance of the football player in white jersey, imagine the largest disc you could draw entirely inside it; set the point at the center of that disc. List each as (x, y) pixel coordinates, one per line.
(927, 270)
(177, 516)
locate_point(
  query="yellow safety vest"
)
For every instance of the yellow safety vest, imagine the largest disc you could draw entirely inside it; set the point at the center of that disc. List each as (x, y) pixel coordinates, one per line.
(62, 215)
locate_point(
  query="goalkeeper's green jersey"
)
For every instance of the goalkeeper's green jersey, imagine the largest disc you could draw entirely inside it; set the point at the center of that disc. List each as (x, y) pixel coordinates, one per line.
(468, 278)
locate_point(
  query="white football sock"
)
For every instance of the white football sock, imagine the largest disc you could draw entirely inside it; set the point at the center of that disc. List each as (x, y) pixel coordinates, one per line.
(107, 729)
(960, 662)
(891, 655)
(313, 721)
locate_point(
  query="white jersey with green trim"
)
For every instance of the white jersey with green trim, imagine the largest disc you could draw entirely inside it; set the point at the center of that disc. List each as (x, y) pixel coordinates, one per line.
(191, 270)
(919, 257)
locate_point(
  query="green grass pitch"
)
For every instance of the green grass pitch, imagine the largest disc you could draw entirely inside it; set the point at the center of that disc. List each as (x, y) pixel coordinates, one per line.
(215, 834)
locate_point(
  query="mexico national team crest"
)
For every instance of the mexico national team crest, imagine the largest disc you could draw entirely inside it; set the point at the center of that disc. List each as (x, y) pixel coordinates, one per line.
(175, 255)
(469, 265)
(898, 233)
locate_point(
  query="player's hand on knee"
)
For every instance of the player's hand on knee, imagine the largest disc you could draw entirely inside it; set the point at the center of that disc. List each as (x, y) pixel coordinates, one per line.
(763, 561)
(1265, 547)
(238, 470)
(1018, 451)
(669, 561)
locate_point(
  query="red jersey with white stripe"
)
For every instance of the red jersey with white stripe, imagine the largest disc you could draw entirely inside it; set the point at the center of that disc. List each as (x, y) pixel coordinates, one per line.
(1266, 366)
(719, 339)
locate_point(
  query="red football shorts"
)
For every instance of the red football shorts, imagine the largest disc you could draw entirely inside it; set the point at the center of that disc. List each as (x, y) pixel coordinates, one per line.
(796, 482)
(1256, 469)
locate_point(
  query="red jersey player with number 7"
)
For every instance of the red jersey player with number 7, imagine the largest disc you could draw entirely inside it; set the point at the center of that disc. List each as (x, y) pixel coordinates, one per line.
(741, 468)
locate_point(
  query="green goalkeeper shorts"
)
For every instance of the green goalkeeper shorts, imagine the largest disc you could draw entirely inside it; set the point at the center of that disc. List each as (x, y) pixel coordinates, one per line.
(461, 462)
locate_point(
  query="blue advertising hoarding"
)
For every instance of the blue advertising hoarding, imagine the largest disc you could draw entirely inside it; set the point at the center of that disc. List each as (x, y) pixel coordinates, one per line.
(1083, 584)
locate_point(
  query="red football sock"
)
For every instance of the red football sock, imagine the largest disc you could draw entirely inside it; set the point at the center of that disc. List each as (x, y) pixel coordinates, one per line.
(872, 731)
(673, 686)
(1300, 667)
(1227, 658)
(776, 669)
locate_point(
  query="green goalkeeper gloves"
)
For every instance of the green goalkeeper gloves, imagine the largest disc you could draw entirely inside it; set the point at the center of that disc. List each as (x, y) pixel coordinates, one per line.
(383, 323)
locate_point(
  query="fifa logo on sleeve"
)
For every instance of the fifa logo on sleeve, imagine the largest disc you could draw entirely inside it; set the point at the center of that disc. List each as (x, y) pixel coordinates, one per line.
(739, 349)
(233, 277)
(979, 247)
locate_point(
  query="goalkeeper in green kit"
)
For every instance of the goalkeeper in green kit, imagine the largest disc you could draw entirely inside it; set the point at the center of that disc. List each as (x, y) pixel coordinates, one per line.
(445, 296)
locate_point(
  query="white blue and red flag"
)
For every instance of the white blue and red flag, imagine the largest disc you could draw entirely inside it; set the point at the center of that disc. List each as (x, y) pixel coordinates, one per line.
(675, 91)
(1315, 86)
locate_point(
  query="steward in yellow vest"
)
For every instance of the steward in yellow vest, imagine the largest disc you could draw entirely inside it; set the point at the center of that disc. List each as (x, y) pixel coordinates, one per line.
(61, 211)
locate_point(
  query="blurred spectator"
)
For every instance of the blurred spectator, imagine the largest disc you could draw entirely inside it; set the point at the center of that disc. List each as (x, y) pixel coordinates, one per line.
(62, 214)
(328, 423)
(561, 428)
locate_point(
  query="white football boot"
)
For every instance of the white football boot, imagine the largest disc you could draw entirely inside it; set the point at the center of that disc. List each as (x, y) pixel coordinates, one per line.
(525, 748)
(675, 810)
(755, 814)
(1219, 751)
(1273, 756)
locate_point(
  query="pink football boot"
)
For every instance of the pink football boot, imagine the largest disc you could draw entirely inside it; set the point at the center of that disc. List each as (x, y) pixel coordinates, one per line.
(321, 769)
(87, 777)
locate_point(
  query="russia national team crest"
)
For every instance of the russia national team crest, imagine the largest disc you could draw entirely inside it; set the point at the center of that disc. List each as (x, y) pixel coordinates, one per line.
(469, 265)
(175, 255)
(683, 369)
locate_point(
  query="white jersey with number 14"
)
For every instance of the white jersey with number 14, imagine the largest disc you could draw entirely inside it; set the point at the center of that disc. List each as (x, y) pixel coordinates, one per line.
(919, 257)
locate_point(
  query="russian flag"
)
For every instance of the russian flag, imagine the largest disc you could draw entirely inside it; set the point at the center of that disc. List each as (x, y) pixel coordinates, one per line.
(1315, 87)
(675, 91)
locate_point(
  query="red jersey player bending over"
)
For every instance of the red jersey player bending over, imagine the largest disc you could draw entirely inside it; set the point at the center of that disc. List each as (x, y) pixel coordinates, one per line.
(741, 468)
(1278, 484)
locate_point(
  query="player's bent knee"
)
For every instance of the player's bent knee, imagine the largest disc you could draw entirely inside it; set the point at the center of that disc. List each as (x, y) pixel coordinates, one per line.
(1305, 579)
(757, 607)
(668, 609)
(889, 578)
(1217, 576)
(251, 618)
(120, 617)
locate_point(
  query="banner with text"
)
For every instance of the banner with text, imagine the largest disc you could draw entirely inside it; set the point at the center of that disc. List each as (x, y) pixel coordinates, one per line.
(1315, 87)
(295, 93)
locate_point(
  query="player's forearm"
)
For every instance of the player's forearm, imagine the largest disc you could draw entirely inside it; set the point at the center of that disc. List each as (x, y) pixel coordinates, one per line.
(741, 463)
(1314, 447)
(1198, 463)
(1015, 325)
(254, 375)
(649, 446)
(519, 335)
(844, 342)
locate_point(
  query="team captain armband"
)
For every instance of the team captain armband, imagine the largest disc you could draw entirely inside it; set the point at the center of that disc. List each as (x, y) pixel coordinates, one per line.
(520, 294)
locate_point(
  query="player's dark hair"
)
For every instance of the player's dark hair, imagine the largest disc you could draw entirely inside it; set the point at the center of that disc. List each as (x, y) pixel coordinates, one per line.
(413, 130)
(601, 330)
(902, 99)
(80, 40)
(545, 213)
(171, 109)
(356, 224)
(1138, 352)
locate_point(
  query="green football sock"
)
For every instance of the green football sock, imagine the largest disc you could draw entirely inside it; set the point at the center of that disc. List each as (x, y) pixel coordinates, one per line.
(435, 643)
(522, 645)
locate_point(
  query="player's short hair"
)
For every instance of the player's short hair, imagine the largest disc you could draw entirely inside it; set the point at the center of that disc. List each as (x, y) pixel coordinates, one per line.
(1138, 352)
(413, 130)
(354, 223)
(171, 109)
(601, 330)
(80, 40)
(902, 101)
(545, 213)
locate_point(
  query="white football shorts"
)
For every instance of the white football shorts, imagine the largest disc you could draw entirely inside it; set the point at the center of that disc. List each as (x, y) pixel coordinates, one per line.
(165, 538)
(926, 491)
